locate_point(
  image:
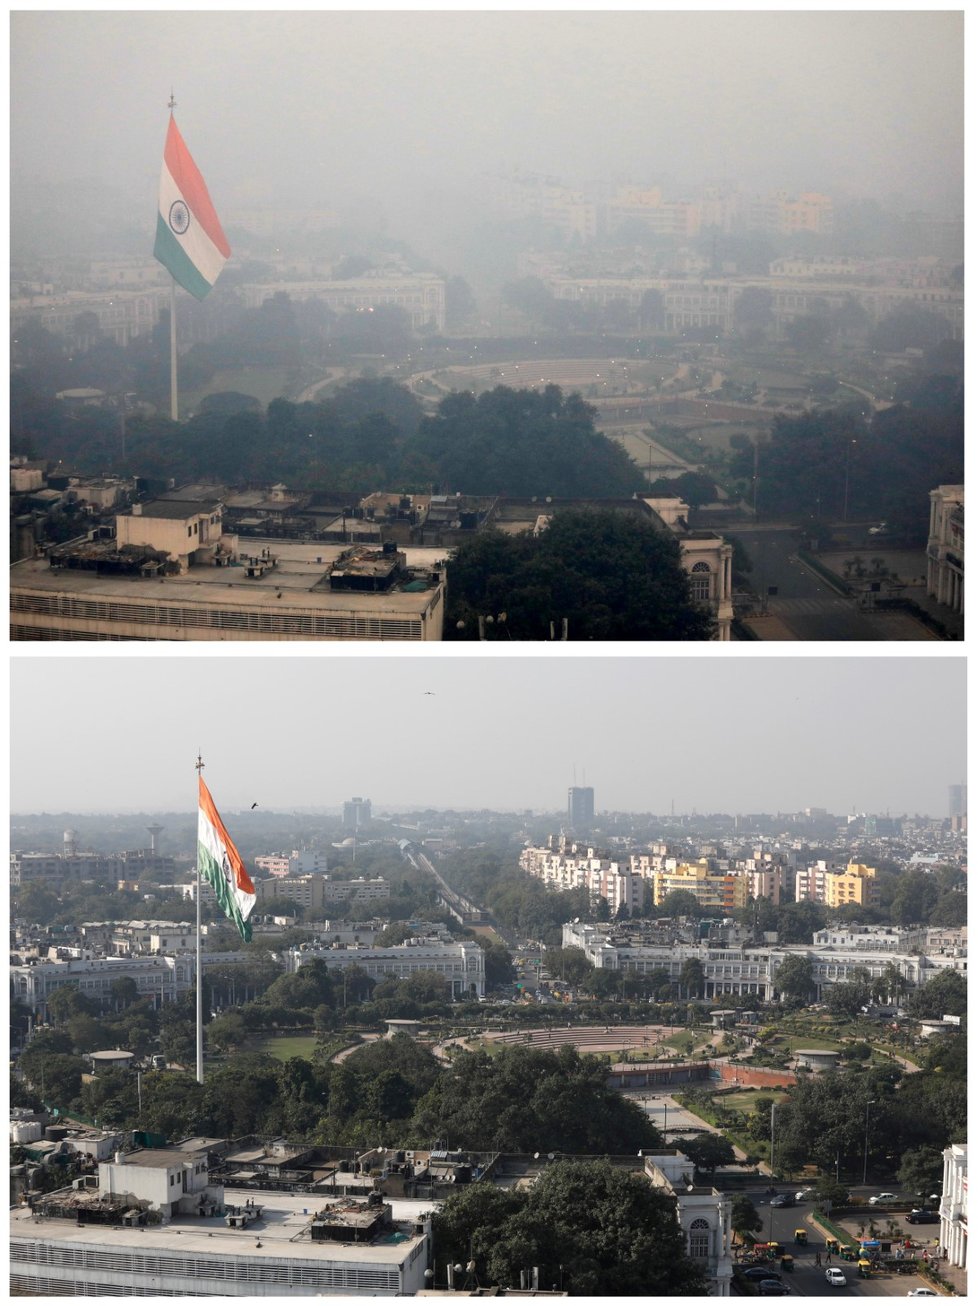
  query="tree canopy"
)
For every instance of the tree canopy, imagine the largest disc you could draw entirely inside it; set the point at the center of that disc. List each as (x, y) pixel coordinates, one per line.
(523, 442)
(610, 575)
(529, 1099)
(591, 1228)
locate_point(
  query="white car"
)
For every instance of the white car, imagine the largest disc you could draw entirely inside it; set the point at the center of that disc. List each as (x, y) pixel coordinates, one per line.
(882, 1197)
(835, 1277)
(805, 1195)
(921, 1292)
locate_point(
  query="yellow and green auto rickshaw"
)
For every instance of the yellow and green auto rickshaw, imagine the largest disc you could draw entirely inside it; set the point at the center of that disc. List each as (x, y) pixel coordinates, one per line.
(864, 1268)
(801, 1237)
(788, 1264)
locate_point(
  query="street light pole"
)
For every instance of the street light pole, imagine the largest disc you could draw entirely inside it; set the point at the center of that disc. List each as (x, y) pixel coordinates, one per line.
(872, 1102)
(774, 1107)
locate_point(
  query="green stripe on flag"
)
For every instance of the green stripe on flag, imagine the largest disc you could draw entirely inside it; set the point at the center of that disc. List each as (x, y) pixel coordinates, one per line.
(177, 262)
(210, 869)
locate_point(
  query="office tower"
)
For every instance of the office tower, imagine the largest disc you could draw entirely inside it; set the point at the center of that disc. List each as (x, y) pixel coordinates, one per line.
(580, 807)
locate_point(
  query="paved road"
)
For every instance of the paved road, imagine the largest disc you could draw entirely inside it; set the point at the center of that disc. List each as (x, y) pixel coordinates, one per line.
(808, 1279)
(805, 606)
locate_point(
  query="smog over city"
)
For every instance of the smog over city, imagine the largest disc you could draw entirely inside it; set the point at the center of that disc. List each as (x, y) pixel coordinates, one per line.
(694, 735)
(459, 326)
(411, 120)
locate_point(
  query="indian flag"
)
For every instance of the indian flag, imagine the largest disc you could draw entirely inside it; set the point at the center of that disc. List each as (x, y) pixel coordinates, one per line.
(190, 242)
(220, 864)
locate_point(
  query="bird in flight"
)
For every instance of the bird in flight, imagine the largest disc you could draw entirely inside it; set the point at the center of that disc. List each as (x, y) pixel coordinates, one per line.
(429, 693)
(253, 806)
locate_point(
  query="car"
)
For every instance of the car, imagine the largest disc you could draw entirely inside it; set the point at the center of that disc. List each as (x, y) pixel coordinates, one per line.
(883, 1197)
(923, 1216)
(782, 1199)
(835, 1277)
(762, 1273)
(805, 1195)
(921, 1292)
(772, 1288)
(881, 528)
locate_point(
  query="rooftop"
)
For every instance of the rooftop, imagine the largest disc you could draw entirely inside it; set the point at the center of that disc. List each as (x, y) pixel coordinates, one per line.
(299, 577)
(282, 1231)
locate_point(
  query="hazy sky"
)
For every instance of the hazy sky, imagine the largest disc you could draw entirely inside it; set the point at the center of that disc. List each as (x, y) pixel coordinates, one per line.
(310, 108)
(737, 734)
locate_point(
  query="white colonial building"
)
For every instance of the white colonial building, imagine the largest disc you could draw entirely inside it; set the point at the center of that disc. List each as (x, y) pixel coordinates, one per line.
(704, 1214)
(745, 969)
(954, 1204)
(463, 965)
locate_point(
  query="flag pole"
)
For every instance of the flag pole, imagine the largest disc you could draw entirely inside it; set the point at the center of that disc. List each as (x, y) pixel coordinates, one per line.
(200, 987)
(174, 409)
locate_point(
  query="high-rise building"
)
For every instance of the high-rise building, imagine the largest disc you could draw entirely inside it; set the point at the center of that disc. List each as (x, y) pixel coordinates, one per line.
(580, 807)
(356, 813)
(957, 806)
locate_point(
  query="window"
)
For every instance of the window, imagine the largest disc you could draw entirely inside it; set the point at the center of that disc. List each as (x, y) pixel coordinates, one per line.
(699, 1239)
(700, 581)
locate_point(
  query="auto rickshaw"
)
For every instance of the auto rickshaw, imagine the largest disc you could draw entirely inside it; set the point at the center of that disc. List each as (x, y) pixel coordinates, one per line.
(847, 1253)
(788, 1264)
(801, 1237)
(832, 1245)
(864, 1268)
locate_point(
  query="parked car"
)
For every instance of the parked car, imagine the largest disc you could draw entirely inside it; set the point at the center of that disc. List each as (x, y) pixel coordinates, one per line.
(772, 1288)
(805, 1195)
(921, 1292)
(760, 1273)
(881, 528)
(835, 1277)
(883, 1197)
(923, 1215)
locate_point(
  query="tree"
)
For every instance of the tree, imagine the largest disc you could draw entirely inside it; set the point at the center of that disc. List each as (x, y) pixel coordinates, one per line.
(708, 1151)
(744, 1217)
(847, 997)
(591, 1228)
(569, 964)
(692, 977)
(793, 979)
(798, 921)
(172, 1102)
(68, 1001)
(500, 972)
(609, 575)
(522, 442)
(921, 1172)
(693, 488)
(124, 991)
(529, 1099)
(944, 995)
(680, 902)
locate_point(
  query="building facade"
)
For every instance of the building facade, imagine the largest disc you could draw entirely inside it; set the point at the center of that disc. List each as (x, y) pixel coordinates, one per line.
(954, 1204)
(945, 546)
(703, 1213)
(461, 964)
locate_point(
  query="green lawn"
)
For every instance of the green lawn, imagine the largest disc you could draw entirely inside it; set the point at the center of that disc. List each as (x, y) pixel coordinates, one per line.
(264, 383)
(289, 1045)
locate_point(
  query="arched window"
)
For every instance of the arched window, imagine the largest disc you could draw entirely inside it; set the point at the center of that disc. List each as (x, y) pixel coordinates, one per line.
(699, 1239)
(700, 582)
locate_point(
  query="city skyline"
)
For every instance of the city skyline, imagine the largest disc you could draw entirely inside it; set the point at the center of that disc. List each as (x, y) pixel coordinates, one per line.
(415, 114)
(692, 734)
